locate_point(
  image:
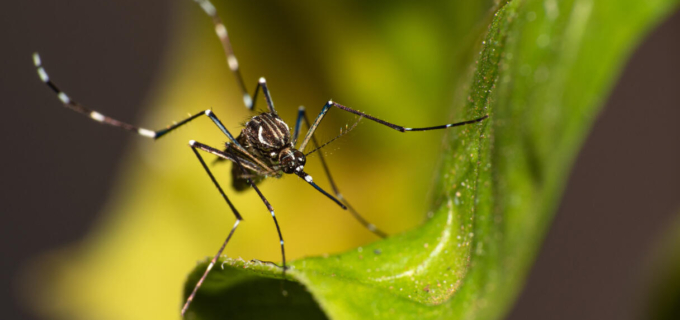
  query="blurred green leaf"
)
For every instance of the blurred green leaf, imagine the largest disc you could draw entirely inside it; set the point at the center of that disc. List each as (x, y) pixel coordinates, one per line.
(543, 70)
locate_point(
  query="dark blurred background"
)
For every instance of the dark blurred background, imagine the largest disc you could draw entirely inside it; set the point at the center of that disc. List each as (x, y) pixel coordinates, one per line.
(623, 191)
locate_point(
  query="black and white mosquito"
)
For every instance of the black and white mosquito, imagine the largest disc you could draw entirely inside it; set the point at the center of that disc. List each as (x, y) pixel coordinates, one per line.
(264, 148)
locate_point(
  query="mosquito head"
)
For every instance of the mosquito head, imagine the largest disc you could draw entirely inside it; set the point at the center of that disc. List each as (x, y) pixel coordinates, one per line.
(292, 160)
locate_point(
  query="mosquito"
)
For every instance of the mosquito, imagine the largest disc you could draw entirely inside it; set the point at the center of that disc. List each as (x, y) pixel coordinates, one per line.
(264, 148)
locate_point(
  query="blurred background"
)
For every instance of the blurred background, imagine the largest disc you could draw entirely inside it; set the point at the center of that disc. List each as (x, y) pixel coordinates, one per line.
(95, 215)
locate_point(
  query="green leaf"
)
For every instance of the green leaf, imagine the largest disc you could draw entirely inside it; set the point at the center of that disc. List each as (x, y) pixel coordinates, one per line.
(543, 70)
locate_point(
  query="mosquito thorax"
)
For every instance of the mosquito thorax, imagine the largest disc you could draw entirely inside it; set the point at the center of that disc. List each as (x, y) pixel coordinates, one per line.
(292, 160)
(267, 133)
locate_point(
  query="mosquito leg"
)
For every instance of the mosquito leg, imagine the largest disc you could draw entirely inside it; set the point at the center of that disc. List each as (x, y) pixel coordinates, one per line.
(243, 164)
(231, 233)
(309, 180)
(276, 223)
(242, 160)
(267, 96)
(298, 124)
(399, 128)
(302, 116)
(219, 124)
(96, 116)
(267, 204)
(222, 34)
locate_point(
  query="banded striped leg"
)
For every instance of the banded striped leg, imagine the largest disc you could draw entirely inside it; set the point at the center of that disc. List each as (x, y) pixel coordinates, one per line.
(399, 128)
(231, 233)
(302, 116)
(96, 116)
(223, 35)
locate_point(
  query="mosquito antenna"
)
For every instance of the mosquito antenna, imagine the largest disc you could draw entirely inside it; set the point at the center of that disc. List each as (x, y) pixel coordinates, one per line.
(342, 133)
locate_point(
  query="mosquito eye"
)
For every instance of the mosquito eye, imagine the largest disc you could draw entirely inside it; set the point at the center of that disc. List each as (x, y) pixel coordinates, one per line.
(299, 157)
(288, 164)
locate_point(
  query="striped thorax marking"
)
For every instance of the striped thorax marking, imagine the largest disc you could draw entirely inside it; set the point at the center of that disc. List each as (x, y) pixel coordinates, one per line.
(267, 133)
